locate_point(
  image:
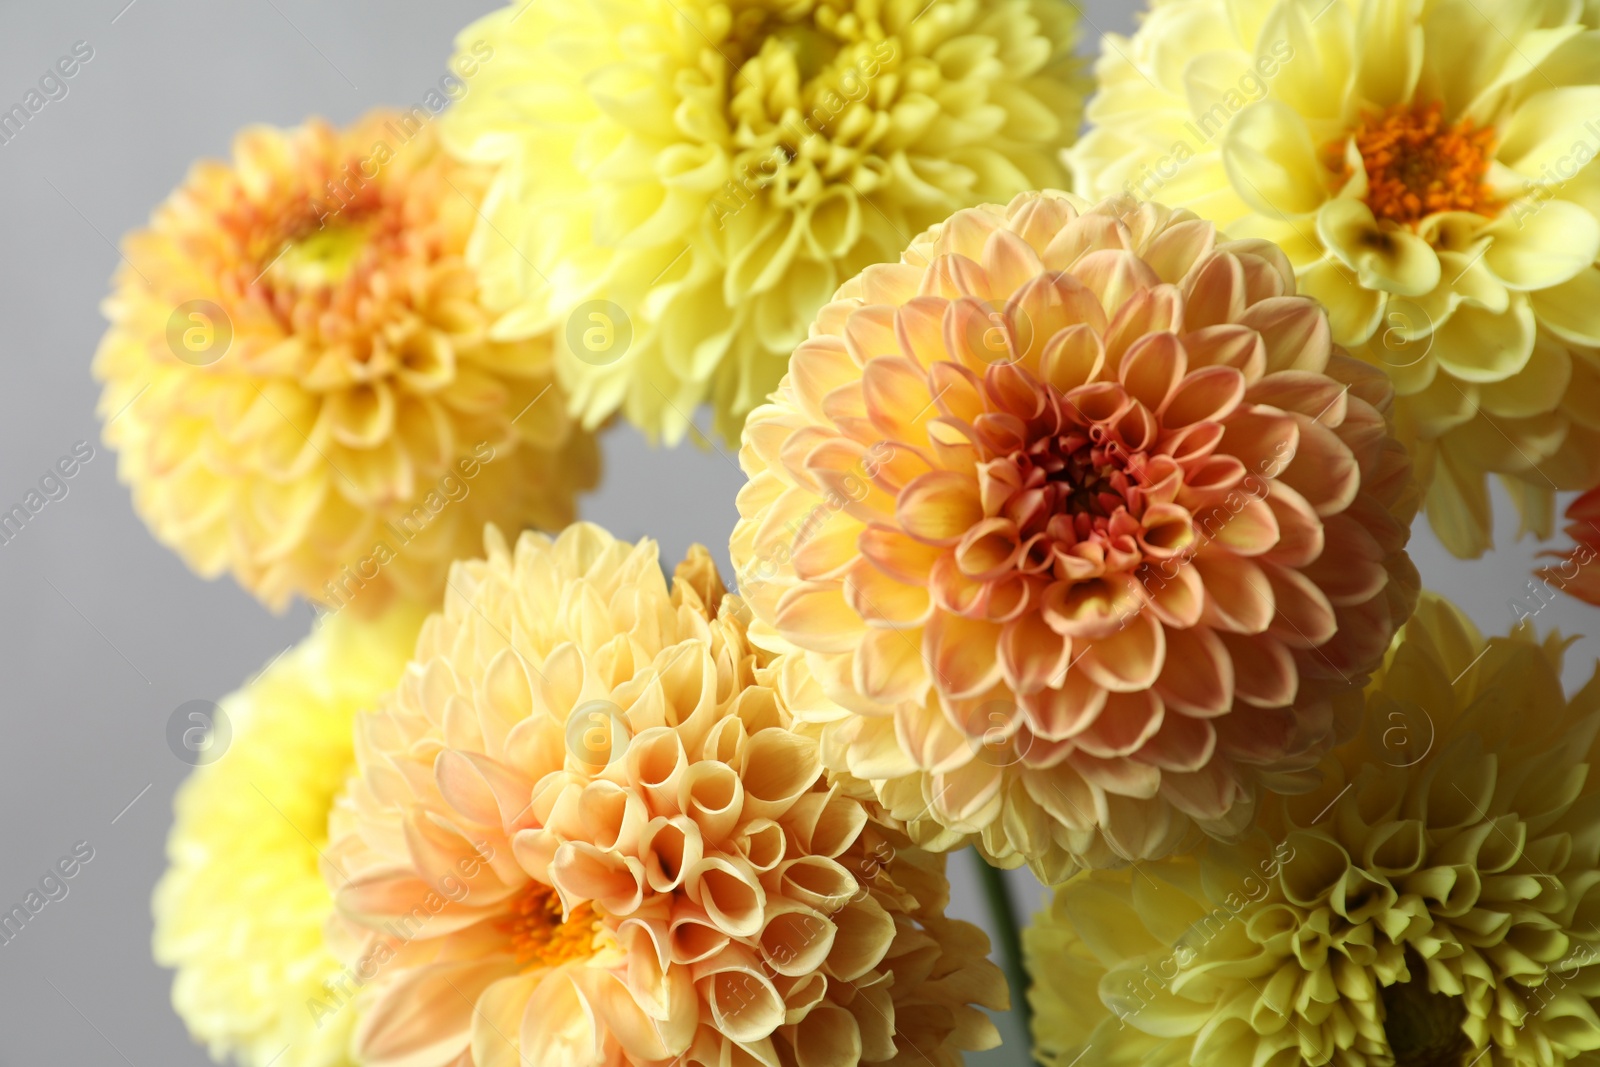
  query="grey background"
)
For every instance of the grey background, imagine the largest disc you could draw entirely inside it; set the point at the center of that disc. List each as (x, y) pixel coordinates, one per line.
(103, 632)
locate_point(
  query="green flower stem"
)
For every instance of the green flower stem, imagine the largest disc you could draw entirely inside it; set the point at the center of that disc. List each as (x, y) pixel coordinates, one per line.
(1009, 936)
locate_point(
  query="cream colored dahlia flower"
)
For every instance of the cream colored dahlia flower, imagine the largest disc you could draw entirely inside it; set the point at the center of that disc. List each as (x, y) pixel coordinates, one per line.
(1425, 164)
(584, 833)
(1083, 526)
(684, 182)
(240, 912)
(300, 380)
(1431, 904)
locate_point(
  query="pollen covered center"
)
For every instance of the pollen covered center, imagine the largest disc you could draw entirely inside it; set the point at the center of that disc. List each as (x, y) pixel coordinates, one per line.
(539, 936)
(1417, 164)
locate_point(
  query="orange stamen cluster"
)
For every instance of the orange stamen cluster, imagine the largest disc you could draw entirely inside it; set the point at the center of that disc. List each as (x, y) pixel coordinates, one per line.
(1418, 165)
(539, 936)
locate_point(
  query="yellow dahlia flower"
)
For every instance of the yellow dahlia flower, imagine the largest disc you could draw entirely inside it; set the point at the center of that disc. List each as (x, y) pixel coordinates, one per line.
(300, 380)
(1431, 903)
(683, 183)
(1083, 526)
(241, 910)
(1425, 164)
(583, 833)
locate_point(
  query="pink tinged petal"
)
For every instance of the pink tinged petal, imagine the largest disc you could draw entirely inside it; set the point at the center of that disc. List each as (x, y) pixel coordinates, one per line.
(840, 467)
(1064, 710)
(1128, 721)
(967, 232)
(888, 667)
(1307, 393)
(1009, 262)
(1263, 669)
(1322, 469)
(897, 555)
(1040, 218)
(880, 599)
(979, 335)
(957, 392)
(1207, 794)
(1048, 305)
(890, 283)
(939, 508)
(1176, 595)
(582, 872)
(1300, 529)
(1146, 312)
(989, 550)
(1215, 294)
(1176, 249)
(898, 400)
(955, 593)
(1114, 277)
(1197, 677)
(1352, 574)
(1152, 367)
(1120, 777)
(919, 330)
(1267, 270)
(1294, 330)
(499, 1012)
(954, 276)
(1238, 595)
(1264, 440)
(962, 654)
(818, 367)
(1084, 236)
(1032, 655)
(1193, 443)
(1128, 659)
(1092, 607)
(1249, 529)
(1207, 394)
(1304, 617)
(816, 616)
(482, 789)
(1239, 347)
(1073, 357)
(425, 1016)
(926, 736)
(827, 546)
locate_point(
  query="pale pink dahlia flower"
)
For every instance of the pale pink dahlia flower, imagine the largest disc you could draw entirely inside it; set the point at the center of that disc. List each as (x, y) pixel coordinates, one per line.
(1084, 526)
(582, 833)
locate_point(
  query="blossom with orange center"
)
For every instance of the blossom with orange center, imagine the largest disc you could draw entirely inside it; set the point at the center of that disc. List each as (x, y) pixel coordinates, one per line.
(299, 376)
(1083, 525)
(583, 832)
(1430, 170)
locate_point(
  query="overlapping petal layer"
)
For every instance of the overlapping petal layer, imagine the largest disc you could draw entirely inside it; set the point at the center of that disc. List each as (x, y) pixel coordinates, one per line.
(583, 833)
(1431, 903)
(1084, 526)
(240, 912)
(299, 377)
(1429, 169)
(683, 183)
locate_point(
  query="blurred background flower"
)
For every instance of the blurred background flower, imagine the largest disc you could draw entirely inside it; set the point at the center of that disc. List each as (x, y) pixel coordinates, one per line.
(299, 379)
(1084, 527)
(1427, 167)
(683, 183)
(240, 911)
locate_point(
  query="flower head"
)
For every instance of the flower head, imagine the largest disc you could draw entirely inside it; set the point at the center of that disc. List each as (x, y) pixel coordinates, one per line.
(684, 182)
(299, 370)
(1427, 169)
(1083, 526)
(240, 912)
(583, 832)
(1429, 904)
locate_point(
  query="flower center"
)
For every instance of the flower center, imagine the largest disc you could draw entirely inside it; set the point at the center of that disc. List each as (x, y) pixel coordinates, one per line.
(1423, 1027)
(539, 937)
(323, 257)
(1418, 165)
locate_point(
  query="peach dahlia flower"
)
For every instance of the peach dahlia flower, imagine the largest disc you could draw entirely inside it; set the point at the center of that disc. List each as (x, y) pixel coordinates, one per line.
(582, 832)
(1083, 526)
(299, 377)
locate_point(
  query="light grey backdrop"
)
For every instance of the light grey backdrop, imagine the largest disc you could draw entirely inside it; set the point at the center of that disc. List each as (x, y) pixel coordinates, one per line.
(103, 632)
